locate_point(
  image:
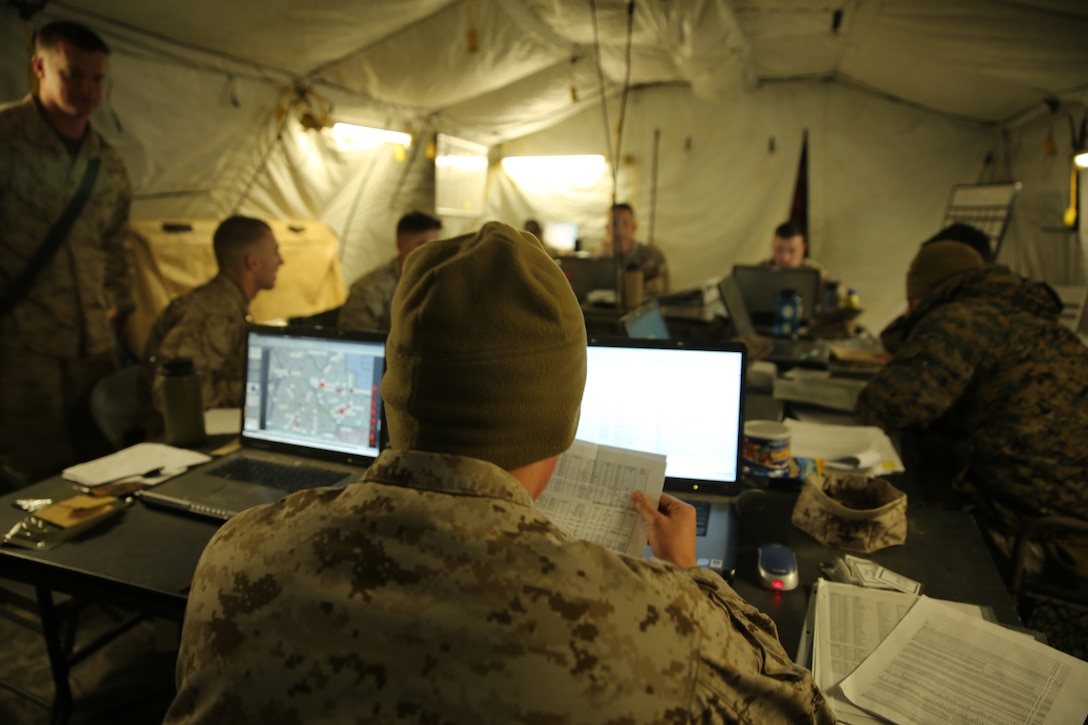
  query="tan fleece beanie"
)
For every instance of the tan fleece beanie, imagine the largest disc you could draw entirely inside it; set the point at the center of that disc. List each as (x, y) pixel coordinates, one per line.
(486, 356)
(937, 263)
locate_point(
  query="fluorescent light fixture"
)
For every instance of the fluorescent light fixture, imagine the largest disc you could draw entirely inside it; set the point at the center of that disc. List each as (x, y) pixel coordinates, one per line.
(1081, 160)
(578, 171)
(351, 137)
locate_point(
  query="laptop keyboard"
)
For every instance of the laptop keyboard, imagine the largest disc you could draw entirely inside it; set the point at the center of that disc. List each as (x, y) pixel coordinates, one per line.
(702, 516)
(289, 478)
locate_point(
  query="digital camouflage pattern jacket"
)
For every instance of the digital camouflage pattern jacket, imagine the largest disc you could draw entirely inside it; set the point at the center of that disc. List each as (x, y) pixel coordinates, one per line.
(369, 305)
(986, 365)
(207, 324)
(432, 591)
(64, 313)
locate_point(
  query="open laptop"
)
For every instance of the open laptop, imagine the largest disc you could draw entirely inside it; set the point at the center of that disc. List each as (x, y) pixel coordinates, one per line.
(760, 286)
(783, 350)
(645, 322)
(587, 273)
(312, 417)
(683, 399)
(560, 235)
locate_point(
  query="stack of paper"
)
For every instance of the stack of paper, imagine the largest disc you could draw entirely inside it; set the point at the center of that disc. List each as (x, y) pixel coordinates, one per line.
(907, 659)
(136, 460)
(861, 449)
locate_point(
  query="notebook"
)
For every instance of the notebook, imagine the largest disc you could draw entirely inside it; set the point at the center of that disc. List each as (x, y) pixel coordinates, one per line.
(312, 417)
(761, 284)
(783, 350)
(586, 273)
(683, 399)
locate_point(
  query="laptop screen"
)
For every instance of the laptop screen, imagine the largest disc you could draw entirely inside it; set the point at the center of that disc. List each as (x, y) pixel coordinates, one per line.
(647, 322)
(760, 286)
(314, 388)
(561, 235)
(683, 399)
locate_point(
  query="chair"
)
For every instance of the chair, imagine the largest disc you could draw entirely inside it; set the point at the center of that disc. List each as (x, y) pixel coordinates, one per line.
(1020, 584)
(327, 318)
(1056, 605)
(116, 408)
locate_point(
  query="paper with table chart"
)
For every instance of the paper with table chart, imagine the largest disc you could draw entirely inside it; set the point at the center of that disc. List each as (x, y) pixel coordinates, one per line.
(589, 494)
(921, 660)
(850, 621)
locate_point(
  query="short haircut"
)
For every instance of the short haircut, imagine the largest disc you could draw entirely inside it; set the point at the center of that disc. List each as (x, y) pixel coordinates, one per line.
(623, 206)
(415, 222)
(965, 234)
(786, 230)
(234, 238)
(49, 36)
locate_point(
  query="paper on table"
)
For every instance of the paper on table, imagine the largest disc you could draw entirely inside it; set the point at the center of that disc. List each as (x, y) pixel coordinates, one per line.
(850, 622)
(220, 421)
(134, 461)
(589, 494)
(866, 443)
(939, 665)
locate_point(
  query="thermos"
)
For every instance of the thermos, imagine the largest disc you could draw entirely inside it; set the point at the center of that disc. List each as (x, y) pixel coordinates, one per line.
(787, 313)
(182, 410)
(831, 297)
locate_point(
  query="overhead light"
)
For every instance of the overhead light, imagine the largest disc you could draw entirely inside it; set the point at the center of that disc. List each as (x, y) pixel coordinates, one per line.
(351, 137)
(1081, 160)
(584, 170)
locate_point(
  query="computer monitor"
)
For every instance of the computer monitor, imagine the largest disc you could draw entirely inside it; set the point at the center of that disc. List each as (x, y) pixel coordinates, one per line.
(561, 235)
(761, 284)
(646, 322)
(681, 398)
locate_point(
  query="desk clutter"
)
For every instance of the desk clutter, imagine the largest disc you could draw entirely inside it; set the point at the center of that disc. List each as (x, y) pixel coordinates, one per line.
(63, 515)
(881, 655)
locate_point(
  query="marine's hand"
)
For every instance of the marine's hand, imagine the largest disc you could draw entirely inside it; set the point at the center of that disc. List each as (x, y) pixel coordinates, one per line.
(671, 528)
(117, 320)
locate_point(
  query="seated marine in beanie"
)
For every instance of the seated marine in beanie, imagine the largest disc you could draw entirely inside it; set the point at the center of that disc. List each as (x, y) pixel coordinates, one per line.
(892, 336)
(432, 590)
(987, 372)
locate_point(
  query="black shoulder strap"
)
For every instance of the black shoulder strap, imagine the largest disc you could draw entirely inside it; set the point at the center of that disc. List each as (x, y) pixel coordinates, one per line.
(18, 288)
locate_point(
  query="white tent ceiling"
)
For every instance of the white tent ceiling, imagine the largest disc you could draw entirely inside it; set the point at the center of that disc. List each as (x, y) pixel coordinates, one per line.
(986, 60)
(900, 98)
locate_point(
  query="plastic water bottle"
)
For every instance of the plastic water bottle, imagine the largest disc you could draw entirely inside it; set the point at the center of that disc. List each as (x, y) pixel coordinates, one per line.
(787, 313)
(182, 410)
(831, 297)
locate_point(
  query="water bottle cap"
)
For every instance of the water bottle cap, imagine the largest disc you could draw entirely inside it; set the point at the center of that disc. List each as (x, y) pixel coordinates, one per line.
(176, 366)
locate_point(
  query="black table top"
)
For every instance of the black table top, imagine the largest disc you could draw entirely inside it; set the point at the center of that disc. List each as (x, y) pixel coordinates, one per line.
(944, 551)
(143, 557)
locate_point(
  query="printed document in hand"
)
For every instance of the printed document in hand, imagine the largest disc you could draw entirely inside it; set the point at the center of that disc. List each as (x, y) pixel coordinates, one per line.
(940, 665)
(589, 495)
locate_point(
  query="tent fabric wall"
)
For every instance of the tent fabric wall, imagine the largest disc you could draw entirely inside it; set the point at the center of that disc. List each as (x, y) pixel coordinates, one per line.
(880, 175)
(902, 101)
(1038, 244)
(170, 263)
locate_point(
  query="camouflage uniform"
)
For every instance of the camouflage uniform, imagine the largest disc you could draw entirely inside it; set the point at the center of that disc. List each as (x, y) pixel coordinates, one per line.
(370, 299)
(988, 372)
(432, 591)
(207, 324)
(56, 341)
(650, 259)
